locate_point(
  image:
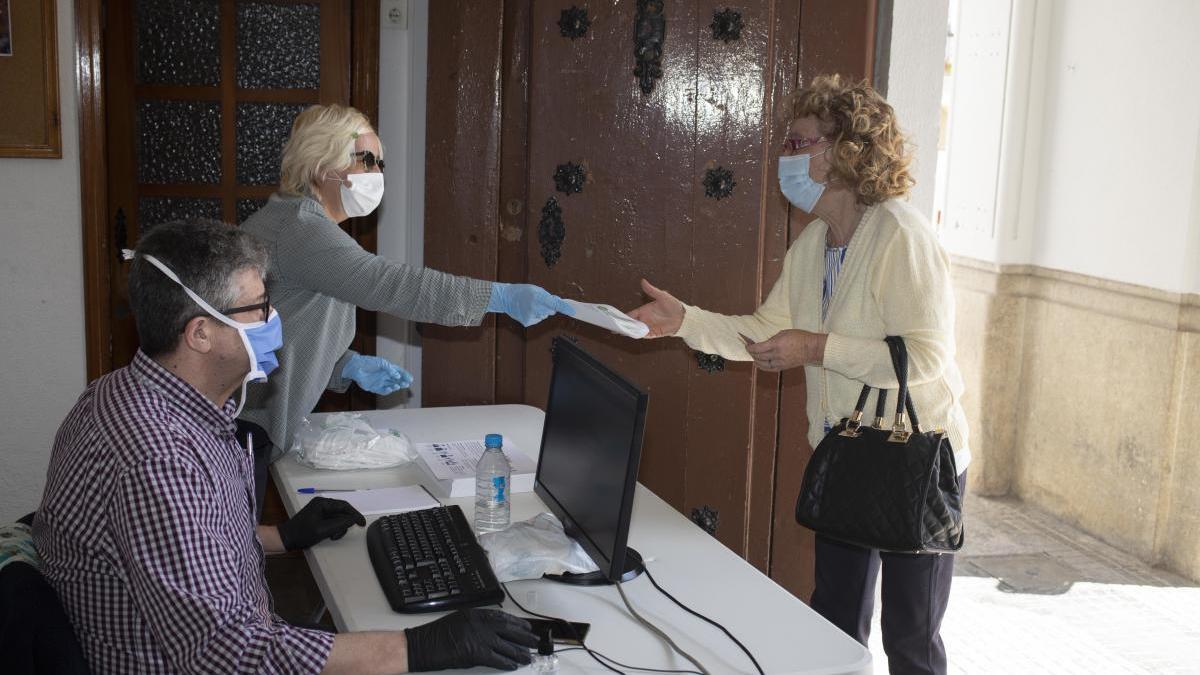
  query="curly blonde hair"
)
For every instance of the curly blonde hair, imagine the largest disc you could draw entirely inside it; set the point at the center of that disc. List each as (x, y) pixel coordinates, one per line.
(322, 140)
(868, 152)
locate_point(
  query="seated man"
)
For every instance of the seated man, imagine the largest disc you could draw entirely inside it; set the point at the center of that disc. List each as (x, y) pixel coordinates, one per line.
(146, 528)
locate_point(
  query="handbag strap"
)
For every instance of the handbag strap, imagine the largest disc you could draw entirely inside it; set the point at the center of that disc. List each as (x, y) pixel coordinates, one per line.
(880, 407)
(904, 402)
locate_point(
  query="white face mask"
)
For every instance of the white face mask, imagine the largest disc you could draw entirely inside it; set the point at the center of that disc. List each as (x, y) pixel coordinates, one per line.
(363, 194)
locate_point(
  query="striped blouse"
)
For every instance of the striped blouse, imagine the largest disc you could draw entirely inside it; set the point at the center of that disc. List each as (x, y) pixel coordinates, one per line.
(834, 257)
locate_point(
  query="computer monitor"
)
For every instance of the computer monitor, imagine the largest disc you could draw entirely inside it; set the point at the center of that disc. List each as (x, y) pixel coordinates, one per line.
(588, 466)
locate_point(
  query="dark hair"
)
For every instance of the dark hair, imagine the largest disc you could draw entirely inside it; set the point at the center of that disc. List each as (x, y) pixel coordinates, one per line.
(205, 255)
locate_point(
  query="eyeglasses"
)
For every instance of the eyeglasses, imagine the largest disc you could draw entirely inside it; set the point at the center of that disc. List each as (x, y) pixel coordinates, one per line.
(368, 159)
(264, 307)
(799, 143)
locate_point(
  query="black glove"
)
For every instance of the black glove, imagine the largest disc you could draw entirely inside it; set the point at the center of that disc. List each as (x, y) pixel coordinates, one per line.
(471, 637)
(320, 519)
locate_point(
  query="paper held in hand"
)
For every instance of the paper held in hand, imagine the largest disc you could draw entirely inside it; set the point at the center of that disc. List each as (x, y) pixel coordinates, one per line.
(607, 316)
(449, 467)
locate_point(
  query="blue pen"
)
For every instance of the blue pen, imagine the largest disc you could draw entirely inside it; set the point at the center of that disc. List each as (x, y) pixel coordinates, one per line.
(313, 490)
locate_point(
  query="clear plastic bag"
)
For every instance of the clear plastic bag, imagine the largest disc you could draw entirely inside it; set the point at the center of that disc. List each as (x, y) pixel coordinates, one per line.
(347, 441)
(531, 548)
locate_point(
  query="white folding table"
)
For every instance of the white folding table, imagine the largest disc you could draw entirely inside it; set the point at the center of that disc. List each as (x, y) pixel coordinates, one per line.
(783, 633)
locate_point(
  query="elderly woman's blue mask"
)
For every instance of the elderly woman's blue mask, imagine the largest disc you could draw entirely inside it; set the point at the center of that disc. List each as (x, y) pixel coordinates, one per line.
(796, 183)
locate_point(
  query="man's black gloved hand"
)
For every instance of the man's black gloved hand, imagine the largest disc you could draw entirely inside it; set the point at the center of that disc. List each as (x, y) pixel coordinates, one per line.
(470, 637)
(320, 519)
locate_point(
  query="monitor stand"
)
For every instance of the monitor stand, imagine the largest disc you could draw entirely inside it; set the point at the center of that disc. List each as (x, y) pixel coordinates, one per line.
(633, 567)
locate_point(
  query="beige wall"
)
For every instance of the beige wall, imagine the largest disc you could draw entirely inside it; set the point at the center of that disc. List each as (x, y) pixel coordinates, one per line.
(1082, 396)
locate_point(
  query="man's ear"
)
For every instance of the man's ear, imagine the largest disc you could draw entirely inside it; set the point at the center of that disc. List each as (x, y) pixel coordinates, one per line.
(198, 334)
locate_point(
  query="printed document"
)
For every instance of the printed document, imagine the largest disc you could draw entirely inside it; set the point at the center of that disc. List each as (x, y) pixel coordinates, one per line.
(607, 316)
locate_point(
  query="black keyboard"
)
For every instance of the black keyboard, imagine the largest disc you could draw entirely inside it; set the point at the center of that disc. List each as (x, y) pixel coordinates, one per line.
(429, 561)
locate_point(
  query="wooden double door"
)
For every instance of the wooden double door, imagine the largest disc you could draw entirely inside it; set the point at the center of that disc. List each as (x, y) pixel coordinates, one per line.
(550, 161)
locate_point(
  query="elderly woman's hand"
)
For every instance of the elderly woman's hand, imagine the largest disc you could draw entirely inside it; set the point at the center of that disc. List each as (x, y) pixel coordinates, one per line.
(788, 349)
(663, 314)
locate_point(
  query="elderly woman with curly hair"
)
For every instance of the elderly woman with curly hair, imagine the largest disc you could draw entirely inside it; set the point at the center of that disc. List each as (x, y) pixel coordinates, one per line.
(868, 267)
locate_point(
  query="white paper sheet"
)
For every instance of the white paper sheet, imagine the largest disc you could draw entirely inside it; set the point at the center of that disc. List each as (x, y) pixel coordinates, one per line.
(388, 500)
(607, 316)
(449, 460)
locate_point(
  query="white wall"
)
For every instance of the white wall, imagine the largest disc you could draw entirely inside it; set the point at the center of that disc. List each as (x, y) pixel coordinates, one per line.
(402, 75)
(42, 367)
(915, 85)
(1121, 130)
(1075, 138)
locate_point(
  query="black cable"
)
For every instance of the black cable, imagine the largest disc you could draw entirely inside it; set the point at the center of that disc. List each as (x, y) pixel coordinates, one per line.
(648, 670)
(689, 610)
(596, 656)
(556, 619)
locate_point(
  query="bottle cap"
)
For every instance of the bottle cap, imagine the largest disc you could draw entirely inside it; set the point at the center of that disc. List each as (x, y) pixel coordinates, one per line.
(493, 441)
(546, 644)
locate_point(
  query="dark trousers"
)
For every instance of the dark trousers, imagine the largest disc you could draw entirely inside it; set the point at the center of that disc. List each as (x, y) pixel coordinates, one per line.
(262, 460)
(916, 590)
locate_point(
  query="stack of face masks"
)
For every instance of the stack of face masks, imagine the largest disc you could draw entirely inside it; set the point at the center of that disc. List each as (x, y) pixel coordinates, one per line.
(347, 441)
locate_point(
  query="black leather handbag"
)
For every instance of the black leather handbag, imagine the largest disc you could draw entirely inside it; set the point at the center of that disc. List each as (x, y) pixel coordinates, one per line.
(890, 489)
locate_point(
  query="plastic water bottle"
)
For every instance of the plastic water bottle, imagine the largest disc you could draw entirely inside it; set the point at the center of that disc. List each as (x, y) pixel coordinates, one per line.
(492, 476)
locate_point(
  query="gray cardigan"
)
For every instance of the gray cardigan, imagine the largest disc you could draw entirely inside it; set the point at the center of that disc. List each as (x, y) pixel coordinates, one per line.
(317, 275)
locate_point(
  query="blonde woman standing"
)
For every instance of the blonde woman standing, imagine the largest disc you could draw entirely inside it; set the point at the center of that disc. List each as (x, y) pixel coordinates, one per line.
(332, 169)
(868, 267)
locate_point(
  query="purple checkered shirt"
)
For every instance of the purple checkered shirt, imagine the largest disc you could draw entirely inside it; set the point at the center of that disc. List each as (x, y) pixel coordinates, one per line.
(146, 534)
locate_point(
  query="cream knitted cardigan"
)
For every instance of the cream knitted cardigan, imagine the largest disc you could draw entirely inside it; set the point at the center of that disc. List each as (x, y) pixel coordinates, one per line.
(895, 281)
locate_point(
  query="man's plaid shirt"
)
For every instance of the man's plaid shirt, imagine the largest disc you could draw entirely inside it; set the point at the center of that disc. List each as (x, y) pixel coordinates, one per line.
(147, 534)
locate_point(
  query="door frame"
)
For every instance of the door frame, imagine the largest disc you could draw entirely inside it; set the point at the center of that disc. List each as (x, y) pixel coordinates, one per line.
(93, 163)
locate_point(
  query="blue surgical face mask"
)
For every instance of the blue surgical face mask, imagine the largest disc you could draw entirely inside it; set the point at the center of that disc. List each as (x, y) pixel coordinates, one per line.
(796, 183)
(260, 338)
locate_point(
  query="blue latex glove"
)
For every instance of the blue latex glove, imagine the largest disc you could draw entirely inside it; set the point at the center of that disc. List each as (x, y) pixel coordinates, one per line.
(526, 303)
(376, 374)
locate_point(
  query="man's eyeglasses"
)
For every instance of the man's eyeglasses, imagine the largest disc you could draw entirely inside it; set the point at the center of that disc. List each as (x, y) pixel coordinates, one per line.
(264, 307)
(799, 143)
(368, 159)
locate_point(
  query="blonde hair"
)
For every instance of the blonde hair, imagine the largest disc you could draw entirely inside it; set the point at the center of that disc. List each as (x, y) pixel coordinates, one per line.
(869, 154)
(322, 141)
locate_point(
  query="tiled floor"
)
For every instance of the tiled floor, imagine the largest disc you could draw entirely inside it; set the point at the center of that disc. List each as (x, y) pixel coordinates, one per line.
(1032, 594)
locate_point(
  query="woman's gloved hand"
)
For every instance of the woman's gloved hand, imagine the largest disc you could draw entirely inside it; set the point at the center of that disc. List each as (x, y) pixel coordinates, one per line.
(526, 303)
(468, 638)
(320, 519)
(376, 374)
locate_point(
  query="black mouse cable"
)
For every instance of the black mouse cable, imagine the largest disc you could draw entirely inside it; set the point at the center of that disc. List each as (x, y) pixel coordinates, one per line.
(577, 636)
(689, 610)
(658, 631)
(596, 656)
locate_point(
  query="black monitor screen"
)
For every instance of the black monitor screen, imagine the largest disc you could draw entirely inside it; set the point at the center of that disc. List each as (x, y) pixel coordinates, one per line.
(591, 446)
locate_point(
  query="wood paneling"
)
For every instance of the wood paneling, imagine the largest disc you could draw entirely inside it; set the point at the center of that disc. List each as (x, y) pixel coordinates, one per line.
(93, 181)
(462, 188)
(518, 222)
